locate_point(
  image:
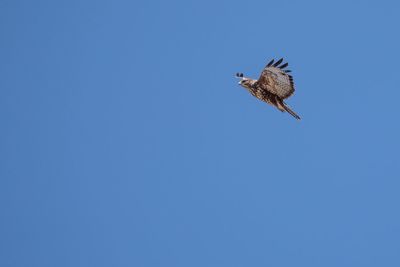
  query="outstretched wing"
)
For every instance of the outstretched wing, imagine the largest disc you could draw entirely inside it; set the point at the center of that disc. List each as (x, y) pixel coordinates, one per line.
(276, 80)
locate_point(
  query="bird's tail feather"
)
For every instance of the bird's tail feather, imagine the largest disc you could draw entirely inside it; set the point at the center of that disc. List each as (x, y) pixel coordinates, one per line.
(291, 112)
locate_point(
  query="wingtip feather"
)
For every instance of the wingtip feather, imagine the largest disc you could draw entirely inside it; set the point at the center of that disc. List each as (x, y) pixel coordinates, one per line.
(278, 62)
(270, 63)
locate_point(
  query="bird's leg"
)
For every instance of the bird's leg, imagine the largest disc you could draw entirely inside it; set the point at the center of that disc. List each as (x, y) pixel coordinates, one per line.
(279, 104)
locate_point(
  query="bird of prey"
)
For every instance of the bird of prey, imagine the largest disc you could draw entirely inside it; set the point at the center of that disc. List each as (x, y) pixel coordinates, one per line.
(274, 85)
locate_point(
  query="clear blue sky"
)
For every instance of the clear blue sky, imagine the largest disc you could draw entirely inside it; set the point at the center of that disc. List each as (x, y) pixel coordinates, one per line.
(126, 140)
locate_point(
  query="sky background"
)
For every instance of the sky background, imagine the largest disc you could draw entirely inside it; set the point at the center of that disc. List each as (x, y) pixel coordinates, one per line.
(126, 141)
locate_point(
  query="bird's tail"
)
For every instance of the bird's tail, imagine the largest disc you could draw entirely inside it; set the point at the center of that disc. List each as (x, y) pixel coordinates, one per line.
(291, 112)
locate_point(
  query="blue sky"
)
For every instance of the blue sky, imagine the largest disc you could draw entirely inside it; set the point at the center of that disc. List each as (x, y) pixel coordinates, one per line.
(126, 140)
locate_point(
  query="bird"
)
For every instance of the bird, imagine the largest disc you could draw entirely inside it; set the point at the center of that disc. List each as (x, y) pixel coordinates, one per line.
(273, 86)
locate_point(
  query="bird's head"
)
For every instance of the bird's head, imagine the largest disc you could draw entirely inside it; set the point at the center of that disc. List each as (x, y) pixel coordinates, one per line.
(245, 82)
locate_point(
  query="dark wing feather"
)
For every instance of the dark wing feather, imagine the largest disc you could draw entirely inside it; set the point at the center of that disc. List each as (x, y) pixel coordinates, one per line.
(283, 66)
(276, 81)
(278, 62)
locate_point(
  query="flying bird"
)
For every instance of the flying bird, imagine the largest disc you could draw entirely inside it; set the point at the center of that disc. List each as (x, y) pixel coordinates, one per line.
(274, 85)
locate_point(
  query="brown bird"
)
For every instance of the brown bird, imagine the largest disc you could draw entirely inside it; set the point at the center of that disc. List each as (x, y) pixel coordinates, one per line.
(273, 86)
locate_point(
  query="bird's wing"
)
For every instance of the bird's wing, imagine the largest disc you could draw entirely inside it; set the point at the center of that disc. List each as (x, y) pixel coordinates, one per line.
(276, 80)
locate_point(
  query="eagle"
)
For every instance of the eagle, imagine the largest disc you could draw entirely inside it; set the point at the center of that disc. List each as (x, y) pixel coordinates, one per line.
(274, 85)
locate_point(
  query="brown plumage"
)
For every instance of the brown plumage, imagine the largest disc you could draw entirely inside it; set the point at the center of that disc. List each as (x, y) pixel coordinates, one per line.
(273, 86)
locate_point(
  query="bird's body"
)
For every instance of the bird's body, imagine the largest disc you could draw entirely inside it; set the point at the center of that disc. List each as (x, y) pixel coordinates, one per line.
(273, 86)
